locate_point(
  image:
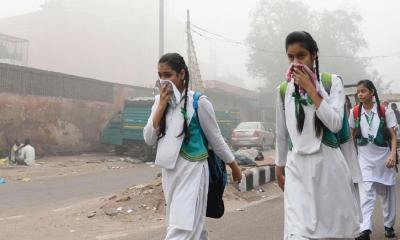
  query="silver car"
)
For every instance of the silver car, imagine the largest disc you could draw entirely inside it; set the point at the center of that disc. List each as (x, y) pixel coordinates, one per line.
(253, 134)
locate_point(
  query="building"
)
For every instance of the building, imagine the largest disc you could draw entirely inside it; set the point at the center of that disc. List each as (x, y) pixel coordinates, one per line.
(226, 97)
(13, 50)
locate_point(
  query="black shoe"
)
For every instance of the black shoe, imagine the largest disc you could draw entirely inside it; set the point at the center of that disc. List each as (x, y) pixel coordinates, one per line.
(364, 235)
(389, 232)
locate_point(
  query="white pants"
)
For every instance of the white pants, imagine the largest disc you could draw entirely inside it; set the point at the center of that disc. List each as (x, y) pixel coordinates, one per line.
(183, 202)
(368, 192)
(297, 237)
(178, 234)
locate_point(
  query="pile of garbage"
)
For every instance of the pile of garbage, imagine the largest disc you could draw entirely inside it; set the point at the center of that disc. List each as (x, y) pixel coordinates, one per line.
(146, 202)
(131, 160)
(3, 181)
(143, 201)
(4, 161)
(248, 157)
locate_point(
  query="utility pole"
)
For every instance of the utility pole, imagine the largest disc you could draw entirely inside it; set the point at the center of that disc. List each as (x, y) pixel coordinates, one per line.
(196, 82)
(189, 41)
(161, 28)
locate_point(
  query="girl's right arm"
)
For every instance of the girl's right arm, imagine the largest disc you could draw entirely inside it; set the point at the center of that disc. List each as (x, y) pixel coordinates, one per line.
(281, 144)
(150, 132)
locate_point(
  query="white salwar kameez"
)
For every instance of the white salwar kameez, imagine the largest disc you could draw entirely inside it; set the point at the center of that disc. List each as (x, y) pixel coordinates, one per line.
(185, 183)
(320, 198)
(377, 178)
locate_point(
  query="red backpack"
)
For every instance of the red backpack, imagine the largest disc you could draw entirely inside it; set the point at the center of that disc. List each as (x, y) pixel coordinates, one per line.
(356, 109)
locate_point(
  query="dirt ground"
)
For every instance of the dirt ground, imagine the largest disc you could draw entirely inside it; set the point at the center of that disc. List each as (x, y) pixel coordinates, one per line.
(59, 166)
(137, 208)
(147, 201)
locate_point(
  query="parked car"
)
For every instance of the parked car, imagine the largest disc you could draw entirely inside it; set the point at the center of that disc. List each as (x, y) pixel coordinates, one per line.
(270, 127)
(253, 134)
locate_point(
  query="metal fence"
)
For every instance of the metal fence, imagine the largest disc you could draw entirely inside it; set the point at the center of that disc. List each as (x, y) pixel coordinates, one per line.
(13, 50)
(28, 81)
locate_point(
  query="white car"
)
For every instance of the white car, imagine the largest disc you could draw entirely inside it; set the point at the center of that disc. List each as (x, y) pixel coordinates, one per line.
(253, 134)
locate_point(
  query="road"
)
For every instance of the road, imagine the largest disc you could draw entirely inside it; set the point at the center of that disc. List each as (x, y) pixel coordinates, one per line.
(259, 221)
(20, 198)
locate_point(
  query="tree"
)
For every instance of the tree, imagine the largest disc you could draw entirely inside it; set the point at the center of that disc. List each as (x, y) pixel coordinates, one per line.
(336, 32)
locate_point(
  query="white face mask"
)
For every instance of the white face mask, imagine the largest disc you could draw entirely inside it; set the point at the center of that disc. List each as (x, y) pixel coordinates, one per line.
(175, 97)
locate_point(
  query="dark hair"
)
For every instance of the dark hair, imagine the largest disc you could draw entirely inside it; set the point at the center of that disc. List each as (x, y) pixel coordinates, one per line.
(393, 106)
(308, 42)
(177, 63)
(27, 141)
(370, 85)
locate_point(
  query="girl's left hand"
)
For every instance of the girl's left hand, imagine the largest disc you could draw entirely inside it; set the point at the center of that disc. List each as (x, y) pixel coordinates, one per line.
(302, 79)
(391, 162)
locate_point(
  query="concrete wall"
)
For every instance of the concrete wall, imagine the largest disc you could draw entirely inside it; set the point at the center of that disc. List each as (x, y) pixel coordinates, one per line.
(56, 125)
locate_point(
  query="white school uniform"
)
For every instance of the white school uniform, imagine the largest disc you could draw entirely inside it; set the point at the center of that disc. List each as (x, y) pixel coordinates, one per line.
(185, 183)
(27, 154)
(377, 178)
(320, 198)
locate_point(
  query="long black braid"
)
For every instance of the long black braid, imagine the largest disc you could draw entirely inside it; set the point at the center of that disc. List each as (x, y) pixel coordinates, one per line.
(185, 124)
(307, 41)
(371, 87)
(177, 63)
(318, 123)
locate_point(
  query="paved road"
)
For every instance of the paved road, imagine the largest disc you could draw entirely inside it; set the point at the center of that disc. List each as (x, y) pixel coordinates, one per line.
(20, 198)
(261, 221)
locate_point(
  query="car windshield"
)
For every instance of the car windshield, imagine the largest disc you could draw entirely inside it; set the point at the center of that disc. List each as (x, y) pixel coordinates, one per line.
(248, 125)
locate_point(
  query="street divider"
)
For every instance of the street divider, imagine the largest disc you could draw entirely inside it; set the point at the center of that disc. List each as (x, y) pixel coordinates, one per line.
(255, 177)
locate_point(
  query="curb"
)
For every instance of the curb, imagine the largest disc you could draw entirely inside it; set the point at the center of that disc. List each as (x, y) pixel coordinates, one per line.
(255, 177)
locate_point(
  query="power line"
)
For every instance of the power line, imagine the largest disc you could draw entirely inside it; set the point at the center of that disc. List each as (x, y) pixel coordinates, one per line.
(226, 39)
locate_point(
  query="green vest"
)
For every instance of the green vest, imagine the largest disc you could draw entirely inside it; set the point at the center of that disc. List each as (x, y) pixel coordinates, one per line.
(329, 138)
(196, 149)
(379, 139)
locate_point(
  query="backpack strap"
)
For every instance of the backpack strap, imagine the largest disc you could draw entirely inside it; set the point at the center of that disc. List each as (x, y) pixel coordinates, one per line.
(196, 98)
(326, 79)
(356, 108)
(383, 111)
(282, 90)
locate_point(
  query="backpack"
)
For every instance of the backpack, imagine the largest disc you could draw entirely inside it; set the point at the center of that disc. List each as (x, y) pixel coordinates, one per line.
(217, 175)
(356, 110)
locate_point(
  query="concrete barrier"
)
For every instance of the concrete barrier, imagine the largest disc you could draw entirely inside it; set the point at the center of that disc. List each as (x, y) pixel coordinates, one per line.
(256, 176)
